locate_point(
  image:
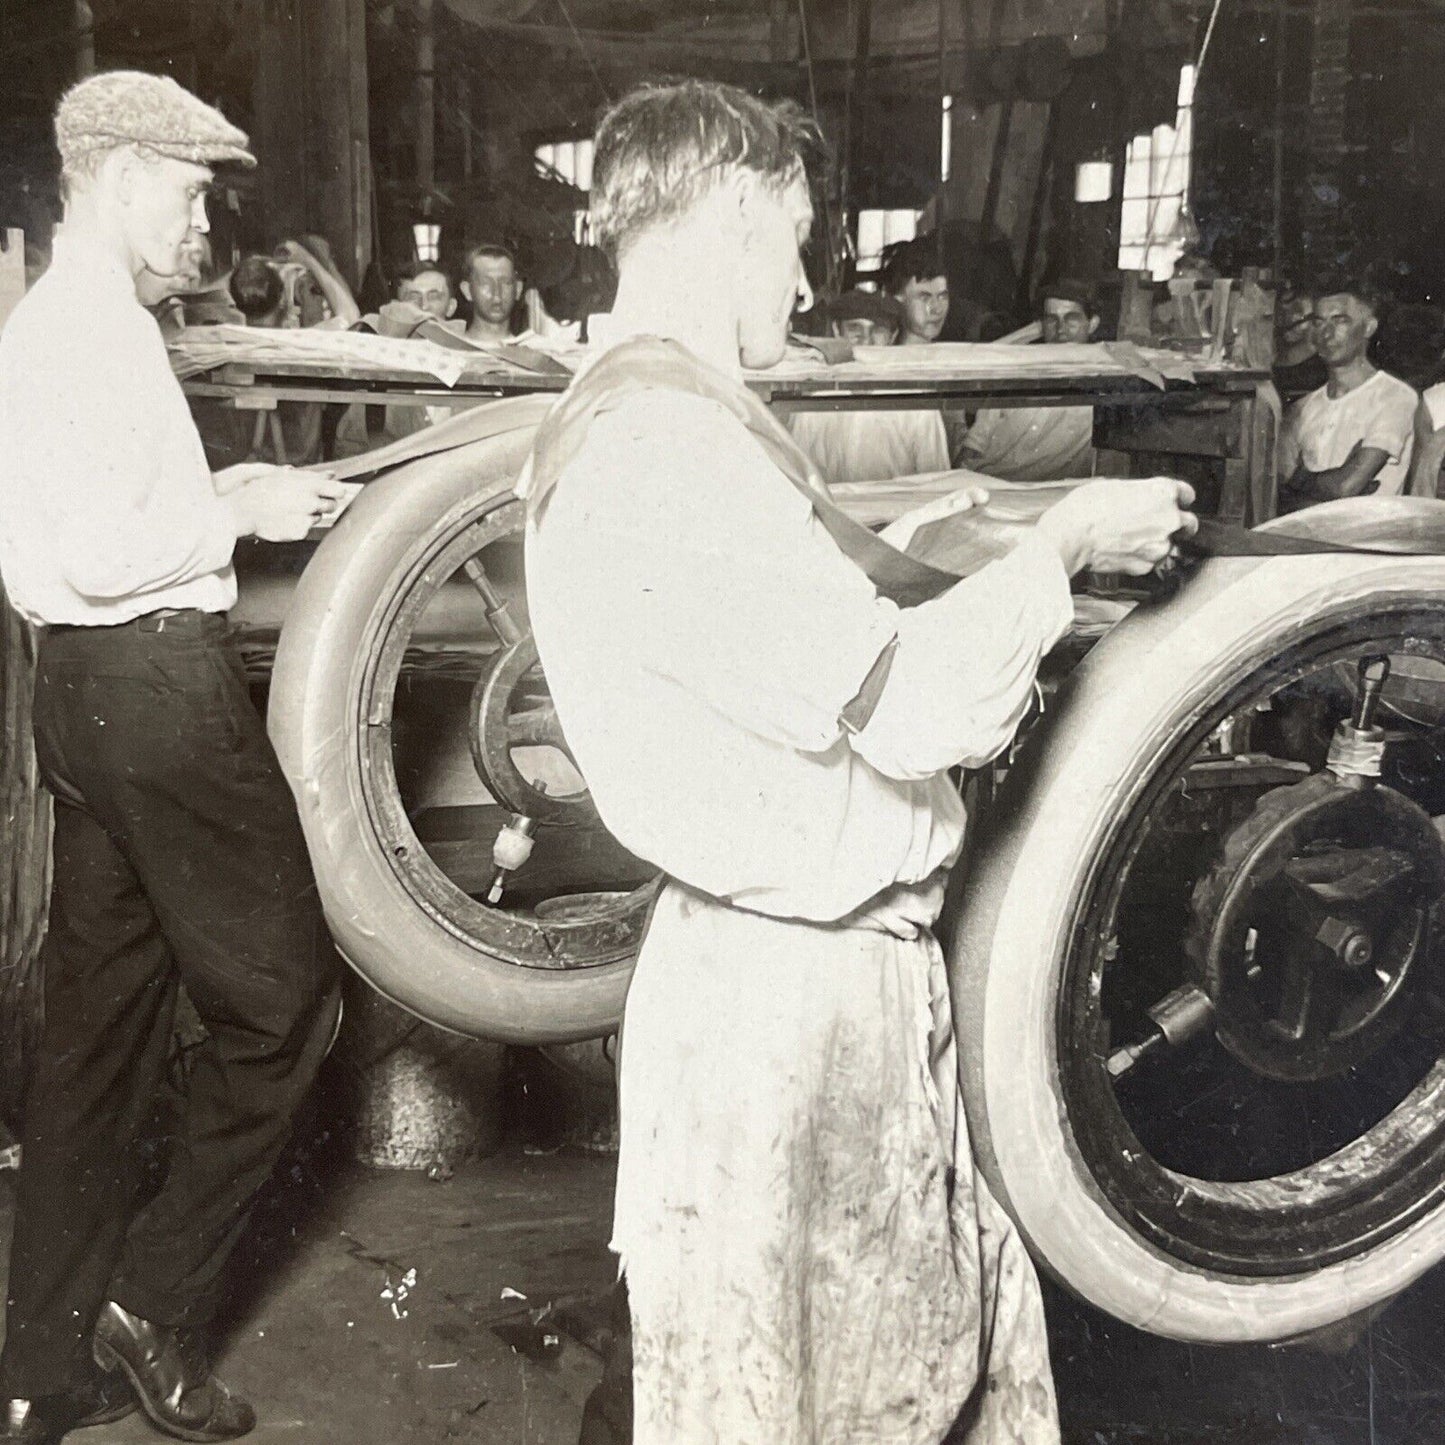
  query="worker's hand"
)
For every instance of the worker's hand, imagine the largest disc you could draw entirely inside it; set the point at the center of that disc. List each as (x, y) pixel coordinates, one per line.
(320, 247)
(904, 909)
(227, 480)
(284, 503)
(1120, 524)
(297, 254)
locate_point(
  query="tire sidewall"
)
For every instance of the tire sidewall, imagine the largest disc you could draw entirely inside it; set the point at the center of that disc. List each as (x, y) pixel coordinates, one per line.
(1125, 705)
(314, 719)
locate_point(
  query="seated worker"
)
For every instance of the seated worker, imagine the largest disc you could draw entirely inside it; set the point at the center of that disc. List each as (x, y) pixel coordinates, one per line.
(869, 446)
(1040, 443)
(1353, 436)
(421, 286)
(913, 276)
(492, 288)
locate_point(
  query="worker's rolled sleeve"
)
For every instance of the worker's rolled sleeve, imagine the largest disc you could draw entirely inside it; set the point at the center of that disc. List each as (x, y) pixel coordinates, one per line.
(965, 665)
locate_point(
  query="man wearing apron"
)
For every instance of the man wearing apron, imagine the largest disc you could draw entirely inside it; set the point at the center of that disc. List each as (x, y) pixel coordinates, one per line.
(811, 1256)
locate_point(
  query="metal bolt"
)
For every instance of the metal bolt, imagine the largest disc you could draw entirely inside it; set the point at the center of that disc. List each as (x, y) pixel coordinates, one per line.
(1351, 944)
(1359, 951)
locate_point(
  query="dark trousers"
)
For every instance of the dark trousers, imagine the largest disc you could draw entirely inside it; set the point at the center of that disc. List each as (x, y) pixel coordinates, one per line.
(607, 1413)
(179, 860)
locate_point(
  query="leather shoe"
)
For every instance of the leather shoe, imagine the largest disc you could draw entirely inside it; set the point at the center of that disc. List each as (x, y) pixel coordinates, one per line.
(180, 1396)
(47, 1419)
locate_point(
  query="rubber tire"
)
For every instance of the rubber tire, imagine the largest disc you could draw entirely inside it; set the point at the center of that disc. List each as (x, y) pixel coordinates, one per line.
(1017, 910)
(313, 720)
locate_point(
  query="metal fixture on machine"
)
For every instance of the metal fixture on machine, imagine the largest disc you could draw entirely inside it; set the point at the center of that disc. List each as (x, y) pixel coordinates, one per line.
(1307, 930)
(1311, 929)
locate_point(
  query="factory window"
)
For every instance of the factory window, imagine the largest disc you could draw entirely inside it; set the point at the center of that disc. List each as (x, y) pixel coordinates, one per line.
(570, 161)
(1154, 222)
(877, 229)
(945, 141)
(567, 160)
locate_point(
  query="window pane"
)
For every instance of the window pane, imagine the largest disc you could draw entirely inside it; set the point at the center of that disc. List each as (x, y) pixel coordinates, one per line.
(1134, 222)
(1136, 170)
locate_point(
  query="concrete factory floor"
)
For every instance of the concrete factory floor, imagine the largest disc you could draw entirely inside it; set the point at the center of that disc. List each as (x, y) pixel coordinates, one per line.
(372, 1307)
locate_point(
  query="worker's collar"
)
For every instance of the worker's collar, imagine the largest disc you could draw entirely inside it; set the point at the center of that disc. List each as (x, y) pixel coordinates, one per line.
(79, 254)
(609, 329)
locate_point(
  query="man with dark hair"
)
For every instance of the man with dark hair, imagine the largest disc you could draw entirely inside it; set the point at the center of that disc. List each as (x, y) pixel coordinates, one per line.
(423, 293)
(178, 856)
(913, 275)
(869, 446)
(426, 286)
(863, 317)
(1353, 436)
(492, 288)
(1040, 443)
(259, 292)
(811, 1253)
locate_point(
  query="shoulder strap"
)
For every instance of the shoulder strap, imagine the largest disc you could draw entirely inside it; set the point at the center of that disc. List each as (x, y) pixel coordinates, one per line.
(650, 363)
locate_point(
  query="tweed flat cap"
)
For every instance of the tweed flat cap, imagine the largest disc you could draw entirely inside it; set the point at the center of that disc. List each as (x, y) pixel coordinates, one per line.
(130, 107)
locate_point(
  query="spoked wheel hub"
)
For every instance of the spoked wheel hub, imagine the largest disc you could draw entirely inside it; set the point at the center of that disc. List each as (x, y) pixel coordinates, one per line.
(1259, 977)
(1310, 933)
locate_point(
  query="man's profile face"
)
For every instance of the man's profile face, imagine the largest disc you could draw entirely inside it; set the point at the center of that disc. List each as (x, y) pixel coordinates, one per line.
(1065, 320)
(164, 205)
(925, 307)
(1343, 326)
(430, 291)
(773, 281)
(493, 289)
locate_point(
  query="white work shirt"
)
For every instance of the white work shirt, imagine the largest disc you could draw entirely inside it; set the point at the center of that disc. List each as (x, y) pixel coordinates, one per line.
(872, 446)
(1032, 443)
(701, 635)
(1434, 399)
(1378, 413)
(107, 507)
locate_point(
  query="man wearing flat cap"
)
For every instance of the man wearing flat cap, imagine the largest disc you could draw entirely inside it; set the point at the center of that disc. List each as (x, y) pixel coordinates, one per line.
(178, 857)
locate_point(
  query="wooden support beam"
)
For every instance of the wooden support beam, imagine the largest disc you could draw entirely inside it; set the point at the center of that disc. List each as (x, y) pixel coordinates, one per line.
(425, 97)
(312, 132)
(1329, 86)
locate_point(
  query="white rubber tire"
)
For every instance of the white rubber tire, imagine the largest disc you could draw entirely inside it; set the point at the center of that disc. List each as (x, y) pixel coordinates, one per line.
(1122, 709)
(313, 719)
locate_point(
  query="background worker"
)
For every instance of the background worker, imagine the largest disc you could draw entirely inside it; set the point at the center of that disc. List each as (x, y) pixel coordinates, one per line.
(1353, 436)
(423, 292)
(178, 856)
(492, 288)
(870, 446)
(1040, 443)
(913, 276)
(426, 286)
